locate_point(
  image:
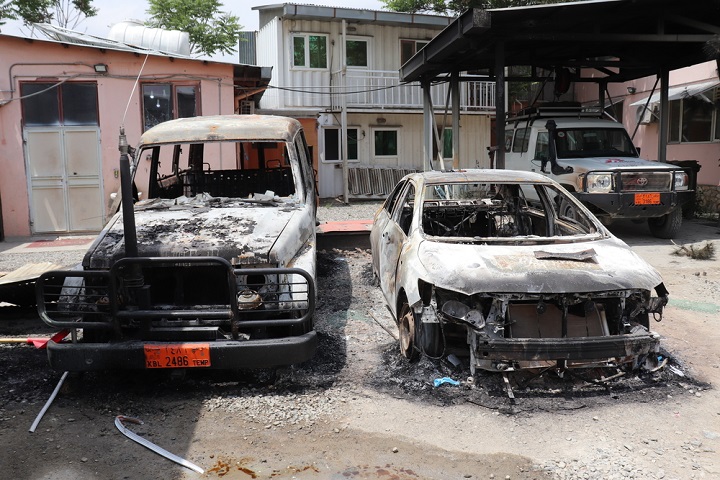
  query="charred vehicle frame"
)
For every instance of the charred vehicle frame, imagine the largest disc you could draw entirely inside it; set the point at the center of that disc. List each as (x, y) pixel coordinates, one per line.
(214, 269)
(484, 264)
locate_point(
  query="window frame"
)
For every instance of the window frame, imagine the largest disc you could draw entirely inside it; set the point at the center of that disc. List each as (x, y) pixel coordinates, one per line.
(306, 47)
(339, 153)
(677, 120)
(415, 47)
(57, 90)
(174, 104)
(397, 142)
(368, 51)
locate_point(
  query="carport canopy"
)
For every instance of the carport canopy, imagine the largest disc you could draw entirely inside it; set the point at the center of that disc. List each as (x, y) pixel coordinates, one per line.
(599, 40)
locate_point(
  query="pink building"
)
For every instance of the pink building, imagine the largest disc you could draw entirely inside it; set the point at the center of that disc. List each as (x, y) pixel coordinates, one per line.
(62, 103)
(694, 123)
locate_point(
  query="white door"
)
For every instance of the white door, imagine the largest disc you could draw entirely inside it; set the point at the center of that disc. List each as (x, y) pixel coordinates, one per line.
(62, 156)
(63, 165)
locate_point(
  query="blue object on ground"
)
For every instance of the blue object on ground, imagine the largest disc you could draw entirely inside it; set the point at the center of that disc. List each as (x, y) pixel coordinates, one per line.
(439, 381)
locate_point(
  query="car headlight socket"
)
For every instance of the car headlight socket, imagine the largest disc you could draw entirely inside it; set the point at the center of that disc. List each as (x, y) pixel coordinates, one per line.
(599, 182)
(682, 181)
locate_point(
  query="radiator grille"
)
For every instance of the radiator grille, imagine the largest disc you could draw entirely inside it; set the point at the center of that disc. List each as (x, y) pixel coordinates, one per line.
(646, 181)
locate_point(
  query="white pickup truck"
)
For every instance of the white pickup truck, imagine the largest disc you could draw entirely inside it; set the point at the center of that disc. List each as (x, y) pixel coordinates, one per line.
(595, 159)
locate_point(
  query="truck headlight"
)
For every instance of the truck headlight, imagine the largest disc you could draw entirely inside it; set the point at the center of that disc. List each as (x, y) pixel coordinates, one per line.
(599, 182)
(682, 181)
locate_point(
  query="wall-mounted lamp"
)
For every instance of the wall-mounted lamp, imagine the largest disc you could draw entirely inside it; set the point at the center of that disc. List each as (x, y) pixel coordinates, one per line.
(100, 68)
(380, 120)
(631, 90)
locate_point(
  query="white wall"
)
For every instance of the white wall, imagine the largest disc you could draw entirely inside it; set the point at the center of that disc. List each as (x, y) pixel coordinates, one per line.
(474, 140)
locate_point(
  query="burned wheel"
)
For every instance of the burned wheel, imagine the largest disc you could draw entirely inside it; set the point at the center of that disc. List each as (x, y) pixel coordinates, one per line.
(406, 326)
(567, 210)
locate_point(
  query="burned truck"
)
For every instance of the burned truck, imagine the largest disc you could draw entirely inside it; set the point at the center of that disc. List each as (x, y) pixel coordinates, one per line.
(210, 263)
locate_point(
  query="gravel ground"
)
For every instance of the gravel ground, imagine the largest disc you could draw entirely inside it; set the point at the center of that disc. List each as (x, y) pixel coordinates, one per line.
(333, 210)
(357, 398)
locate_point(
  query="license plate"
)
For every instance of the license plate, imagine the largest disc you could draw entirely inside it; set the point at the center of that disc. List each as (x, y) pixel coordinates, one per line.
(647, 199)
(179, 355)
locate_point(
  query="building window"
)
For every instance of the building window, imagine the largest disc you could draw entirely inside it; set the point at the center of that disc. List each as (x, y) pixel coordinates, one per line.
(692, 119)
(447, 143)
(333, 152)
(408, 48)
(309, 51)
(165, 101)
(356, 52)
(695, 119)
(386, 143)
(70, 103)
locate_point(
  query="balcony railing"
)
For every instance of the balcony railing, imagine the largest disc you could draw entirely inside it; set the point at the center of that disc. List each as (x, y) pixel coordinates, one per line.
(382, 89)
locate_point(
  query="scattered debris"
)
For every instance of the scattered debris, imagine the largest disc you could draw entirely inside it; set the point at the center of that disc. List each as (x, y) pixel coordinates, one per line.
(439, 381)
(148, 444)
(18, 287)
(704, 252)
(48, 403)
(38, 342)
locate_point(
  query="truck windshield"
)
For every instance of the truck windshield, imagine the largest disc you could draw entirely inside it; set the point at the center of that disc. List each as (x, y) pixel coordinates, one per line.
(594, 142)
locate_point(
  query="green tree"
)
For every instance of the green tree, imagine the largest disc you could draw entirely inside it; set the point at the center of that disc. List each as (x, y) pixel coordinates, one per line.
(210, 29)
(64, 13)
(456, 7)
(6, 11)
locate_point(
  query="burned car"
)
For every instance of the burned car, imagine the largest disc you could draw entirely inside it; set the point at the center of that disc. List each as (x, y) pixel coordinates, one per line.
(482, 263)
(212, 265)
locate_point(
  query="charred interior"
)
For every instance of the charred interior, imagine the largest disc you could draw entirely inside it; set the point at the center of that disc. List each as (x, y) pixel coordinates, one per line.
(498, 211)
(260, 166)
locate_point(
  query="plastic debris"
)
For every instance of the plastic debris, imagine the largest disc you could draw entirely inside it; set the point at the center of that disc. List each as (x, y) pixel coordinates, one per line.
(37, 342)
(676, 370)
(148, 444)
(48, 403)
(439, 381)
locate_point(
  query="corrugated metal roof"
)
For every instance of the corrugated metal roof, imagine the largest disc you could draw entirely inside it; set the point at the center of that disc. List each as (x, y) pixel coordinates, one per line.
(66, 35)
(356, 15)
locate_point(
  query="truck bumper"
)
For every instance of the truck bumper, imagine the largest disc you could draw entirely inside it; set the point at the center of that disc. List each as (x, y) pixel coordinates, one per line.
(224, 354)
(622, 205)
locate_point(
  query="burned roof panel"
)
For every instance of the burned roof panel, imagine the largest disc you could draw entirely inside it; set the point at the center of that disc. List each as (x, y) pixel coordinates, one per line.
(221, 128)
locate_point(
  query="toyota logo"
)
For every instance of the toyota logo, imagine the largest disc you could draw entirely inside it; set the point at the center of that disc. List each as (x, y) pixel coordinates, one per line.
(642, 181)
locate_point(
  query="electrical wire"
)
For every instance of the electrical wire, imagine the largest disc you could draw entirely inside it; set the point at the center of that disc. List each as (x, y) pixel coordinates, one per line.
(132, 92)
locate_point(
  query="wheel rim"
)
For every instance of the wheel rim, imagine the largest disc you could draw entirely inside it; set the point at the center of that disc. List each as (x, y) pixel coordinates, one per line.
(407, 333)
(567, 210)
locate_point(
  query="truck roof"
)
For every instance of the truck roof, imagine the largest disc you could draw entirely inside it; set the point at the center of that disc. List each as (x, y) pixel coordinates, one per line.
(220, 128)
(567, 122)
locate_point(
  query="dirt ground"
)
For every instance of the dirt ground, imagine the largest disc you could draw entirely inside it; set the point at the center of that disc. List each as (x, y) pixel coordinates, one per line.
(359, 411)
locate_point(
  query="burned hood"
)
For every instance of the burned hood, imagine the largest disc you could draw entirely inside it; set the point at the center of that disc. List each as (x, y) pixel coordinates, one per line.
(240, 232)
(601, 265)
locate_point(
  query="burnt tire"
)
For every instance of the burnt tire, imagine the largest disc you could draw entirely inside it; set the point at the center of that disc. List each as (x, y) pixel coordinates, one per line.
(429, 338)
(666, 226)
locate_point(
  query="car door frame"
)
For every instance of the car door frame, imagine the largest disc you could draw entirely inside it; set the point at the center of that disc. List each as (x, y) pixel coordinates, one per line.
(392, 242)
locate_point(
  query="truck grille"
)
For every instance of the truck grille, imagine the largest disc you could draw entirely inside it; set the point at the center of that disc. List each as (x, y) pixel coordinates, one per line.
(646, 181)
